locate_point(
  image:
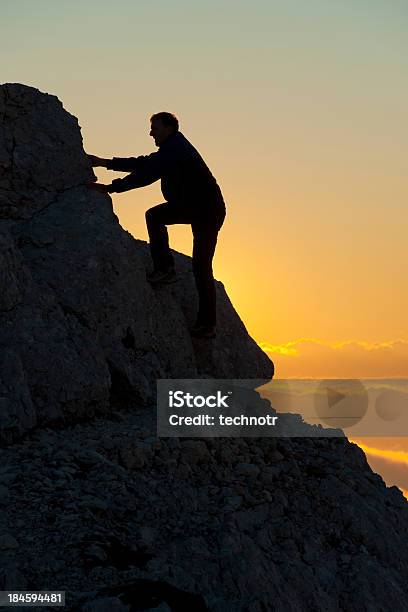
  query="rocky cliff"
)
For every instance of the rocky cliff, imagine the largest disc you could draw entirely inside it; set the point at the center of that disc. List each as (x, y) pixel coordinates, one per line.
(123, 521)
(80, 327)
(103, 509)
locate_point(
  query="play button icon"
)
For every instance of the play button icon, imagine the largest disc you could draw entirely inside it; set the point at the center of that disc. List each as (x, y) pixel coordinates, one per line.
(340, 403)
(334, 397)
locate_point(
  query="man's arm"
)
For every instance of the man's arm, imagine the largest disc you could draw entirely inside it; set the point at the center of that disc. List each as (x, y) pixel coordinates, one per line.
(125, 164)
(98, 161)
(149, 168)
(121, 164)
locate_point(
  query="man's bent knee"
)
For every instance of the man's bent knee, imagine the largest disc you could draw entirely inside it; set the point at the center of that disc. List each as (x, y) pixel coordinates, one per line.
(157, 215)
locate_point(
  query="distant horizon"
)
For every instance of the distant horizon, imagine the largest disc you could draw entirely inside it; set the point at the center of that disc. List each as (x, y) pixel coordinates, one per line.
(310, 358)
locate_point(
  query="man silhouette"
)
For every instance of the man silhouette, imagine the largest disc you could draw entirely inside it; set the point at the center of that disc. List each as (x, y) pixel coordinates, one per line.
(192, 197)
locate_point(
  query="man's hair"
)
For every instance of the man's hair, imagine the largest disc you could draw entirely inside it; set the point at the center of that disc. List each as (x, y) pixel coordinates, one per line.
(167, 119)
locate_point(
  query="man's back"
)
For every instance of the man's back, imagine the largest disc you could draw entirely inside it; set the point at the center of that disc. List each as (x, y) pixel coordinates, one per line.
(186, 180)
(186, 174)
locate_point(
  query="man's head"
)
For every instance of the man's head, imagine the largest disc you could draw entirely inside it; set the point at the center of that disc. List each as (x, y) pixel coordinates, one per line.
(162, 126)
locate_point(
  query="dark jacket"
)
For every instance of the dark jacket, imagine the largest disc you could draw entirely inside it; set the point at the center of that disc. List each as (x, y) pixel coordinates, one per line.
(186, 181)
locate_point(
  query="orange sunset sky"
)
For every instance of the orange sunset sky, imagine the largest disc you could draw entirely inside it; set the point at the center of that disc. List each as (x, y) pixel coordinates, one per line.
(299, 109)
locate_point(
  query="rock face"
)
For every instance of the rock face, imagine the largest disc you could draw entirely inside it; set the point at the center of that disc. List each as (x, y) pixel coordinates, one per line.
(117, 518)
(103, 509)
(80, 328)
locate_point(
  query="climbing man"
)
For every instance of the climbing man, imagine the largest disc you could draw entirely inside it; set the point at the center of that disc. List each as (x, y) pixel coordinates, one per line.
(192, 197)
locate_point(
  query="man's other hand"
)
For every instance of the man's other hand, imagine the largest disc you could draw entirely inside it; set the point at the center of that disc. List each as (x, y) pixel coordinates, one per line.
(99, 187)
(98, 161)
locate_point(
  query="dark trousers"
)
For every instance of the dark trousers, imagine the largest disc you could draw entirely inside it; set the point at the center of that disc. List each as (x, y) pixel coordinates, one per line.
(205, 233)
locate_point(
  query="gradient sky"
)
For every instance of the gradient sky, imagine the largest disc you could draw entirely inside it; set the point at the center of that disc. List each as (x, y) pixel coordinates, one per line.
(299, 108)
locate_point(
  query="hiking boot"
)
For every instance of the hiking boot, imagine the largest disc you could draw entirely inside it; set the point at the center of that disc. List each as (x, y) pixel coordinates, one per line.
(162, 276)
(203, 331)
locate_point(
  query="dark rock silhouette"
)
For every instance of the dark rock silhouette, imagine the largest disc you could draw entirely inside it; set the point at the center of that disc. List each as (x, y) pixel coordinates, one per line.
(80, 327)
(123, 521)
(104, 510)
